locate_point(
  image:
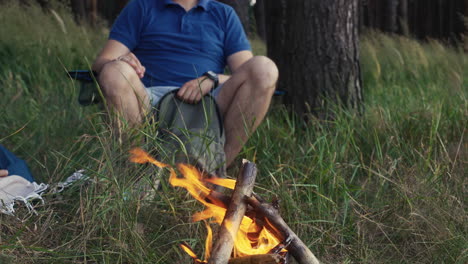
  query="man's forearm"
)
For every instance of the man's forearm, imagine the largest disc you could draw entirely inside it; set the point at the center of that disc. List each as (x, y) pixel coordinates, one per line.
(223, 78)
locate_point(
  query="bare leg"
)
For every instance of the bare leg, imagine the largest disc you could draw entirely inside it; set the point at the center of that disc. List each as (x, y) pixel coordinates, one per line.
(124, 91)
(244, 101)
(125, 94)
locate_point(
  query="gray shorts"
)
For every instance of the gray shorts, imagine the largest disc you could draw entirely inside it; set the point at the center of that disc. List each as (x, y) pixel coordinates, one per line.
(155, 93)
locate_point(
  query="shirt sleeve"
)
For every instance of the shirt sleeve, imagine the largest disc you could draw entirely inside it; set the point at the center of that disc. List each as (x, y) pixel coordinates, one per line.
(128, 25)
(235, 38)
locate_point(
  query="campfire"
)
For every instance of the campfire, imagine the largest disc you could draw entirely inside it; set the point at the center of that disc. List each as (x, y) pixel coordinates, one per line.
(251, 231)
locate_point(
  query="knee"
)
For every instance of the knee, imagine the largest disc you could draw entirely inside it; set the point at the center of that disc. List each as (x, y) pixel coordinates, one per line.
(264, 72)
(115, 77)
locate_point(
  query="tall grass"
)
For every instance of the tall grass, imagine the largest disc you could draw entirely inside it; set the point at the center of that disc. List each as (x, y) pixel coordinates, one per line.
(385, 187)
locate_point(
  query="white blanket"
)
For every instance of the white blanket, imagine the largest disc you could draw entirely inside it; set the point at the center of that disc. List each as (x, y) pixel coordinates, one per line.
(15, 188)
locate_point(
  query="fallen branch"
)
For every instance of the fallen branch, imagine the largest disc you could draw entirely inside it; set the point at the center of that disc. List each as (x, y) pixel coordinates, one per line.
(296, 247)
(235, 212)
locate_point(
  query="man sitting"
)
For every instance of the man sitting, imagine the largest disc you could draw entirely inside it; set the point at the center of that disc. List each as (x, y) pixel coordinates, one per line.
(159, 45)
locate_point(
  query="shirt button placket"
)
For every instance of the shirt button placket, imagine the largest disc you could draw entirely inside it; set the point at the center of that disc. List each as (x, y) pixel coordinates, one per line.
(182, 24)
(187, 23)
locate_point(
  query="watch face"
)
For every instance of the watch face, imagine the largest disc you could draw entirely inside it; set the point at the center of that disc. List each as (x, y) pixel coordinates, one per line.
(211, 74)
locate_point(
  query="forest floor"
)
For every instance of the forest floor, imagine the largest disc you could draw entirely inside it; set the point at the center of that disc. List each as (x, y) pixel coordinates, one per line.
(389, 186)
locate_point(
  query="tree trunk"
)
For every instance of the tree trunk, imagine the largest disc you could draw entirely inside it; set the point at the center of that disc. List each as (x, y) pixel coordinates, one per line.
(430, 19)
(259, 12)
(275, 21)
(391, 13)
(320, 67)
(45, 4)
(379, 14)
(242, 10)
(110, 9)
(465, 35)
(403, 28)
(93, 12)
(362, 16)
(79, 10)
(440, 19)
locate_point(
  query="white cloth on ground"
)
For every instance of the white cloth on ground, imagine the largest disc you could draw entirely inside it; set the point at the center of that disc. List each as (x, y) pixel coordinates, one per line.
(15, 188)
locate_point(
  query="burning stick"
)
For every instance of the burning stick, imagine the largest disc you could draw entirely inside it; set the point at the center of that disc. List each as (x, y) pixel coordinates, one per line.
(234, 214)
(277, 225)
(263, 217)
(297, 248)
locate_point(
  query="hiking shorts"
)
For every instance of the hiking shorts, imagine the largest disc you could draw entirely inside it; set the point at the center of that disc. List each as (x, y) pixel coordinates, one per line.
(155, 93)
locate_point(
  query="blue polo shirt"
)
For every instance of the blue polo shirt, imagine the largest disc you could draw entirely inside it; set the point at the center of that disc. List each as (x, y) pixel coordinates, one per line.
(176, 46)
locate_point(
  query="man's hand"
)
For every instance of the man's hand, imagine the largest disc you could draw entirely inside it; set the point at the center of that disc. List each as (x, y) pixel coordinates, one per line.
(3, 173)
(133, 61)
(192, 91)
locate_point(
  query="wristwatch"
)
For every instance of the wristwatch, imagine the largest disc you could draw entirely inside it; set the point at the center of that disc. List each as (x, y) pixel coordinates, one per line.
(212, 76)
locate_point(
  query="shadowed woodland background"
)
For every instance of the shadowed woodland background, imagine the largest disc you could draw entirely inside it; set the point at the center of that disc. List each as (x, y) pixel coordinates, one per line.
(440, 19)
(316, 44)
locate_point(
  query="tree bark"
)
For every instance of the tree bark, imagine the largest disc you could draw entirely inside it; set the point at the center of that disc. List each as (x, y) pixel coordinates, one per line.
(110, 9)
(403, 27)
(93, 12)
(362, 17)
(391, 15)
(275, 21)
(45, 4)
(259, 13)
(320, 55)
(465, 35)
(79, 10)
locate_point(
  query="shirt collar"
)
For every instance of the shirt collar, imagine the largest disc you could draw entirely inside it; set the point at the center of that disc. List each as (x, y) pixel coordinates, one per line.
(201, 3)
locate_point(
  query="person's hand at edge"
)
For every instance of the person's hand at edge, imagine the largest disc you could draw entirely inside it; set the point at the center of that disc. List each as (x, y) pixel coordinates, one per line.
(192, 91)
(133, 61)
(3, 173)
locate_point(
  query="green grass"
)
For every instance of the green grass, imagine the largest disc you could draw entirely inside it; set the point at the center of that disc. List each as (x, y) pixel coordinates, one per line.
(387, 187)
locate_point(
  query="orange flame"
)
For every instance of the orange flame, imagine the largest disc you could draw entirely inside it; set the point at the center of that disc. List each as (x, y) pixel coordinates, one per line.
(252, 238)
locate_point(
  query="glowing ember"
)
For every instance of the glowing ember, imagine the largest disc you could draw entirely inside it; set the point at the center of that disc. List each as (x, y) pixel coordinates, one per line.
(252, 238)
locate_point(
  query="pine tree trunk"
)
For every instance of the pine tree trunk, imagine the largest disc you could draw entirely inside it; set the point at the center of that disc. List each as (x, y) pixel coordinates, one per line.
(391, 13)
(79, 10)
(259, 13)
(403, 28)
(465, 36)
(45, 4)
(110, 9)
(93, 12)
(320, 64)
(275, 22)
